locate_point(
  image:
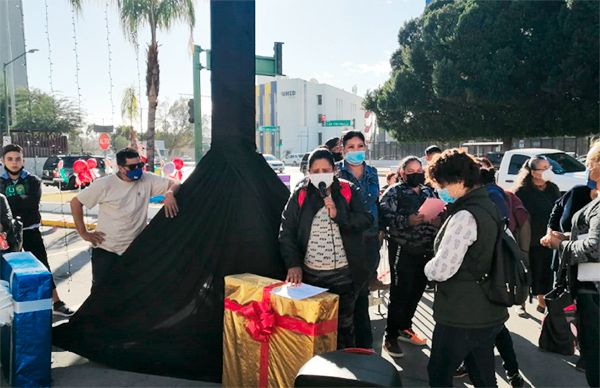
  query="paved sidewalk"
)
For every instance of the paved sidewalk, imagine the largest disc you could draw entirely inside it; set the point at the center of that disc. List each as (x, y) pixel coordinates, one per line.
(70, 259)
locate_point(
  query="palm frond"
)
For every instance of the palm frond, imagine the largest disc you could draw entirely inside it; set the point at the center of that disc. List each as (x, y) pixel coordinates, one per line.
(169, 11)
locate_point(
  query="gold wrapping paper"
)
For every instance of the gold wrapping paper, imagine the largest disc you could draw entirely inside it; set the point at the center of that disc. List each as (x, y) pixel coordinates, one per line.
(287, 350)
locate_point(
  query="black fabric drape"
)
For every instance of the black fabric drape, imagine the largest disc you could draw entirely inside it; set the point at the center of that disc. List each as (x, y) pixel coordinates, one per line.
(162, 311)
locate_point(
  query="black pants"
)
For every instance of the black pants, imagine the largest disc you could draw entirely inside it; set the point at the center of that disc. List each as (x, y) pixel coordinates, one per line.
(451, 345)
(338, 282)
(406, 290)
(102, 265)
(33, 242)
(505, 347)
(542, 277)
(588, 313)
(362, 321)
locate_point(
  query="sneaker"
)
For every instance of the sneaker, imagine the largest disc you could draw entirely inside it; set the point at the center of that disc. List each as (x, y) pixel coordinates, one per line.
(60, 308)
(516, 380)
(411, 337)
(393, 348)
(461, 371)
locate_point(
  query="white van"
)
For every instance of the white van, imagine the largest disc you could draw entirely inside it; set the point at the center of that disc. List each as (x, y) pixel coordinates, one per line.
(293, 159)
(569, 171)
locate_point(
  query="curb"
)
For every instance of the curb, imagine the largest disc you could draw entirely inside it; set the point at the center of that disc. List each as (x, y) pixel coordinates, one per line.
(65, 224)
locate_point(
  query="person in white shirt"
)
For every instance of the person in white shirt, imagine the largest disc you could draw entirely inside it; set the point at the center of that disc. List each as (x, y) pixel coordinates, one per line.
(122, 199)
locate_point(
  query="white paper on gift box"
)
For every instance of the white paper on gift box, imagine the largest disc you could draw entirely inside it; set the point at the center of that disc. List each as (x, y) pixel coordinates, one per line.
(302, 291)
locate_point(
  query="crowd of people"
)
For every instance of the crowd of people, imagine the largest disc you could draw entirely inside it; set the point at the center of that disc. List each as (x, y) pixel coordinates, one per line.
(333, 227)
(329, 231)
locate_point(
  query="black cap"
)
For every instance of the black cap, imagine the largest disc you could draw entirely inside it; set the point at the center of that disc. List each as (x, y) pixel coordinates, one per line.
(332, 142)
(433, 149)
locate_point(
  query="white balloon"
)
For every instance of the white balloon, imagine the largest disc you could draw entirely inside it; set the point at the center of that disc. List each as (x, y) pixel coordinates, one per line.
(169, 168)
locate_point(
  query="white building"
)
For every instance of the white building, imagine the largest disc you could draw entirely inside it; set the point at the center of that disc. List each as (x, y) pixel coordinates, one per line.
(289, 115)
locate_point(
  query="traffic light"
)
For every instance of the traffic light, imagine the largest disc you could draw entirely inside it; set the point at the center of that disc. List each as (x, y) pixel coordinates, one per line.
(191, 110)
(354, 123)
(277, 49)
(321, 119)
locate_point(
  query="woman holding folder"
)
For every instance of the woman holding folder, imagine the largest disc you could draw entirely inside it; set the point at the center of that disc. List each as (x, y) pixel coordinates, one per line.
(410, 228)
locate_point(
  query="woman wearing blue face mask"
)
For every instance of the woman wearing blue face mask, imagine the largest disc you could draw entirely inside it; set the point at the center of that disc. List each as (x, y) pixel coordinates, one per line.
(537, 192)
(321, 238)
(467, 322)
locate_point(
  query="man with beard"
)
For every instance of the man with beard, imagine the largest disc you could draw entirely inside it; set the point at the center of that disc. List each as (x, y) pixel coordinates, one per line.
(411, 246)
(23, 191)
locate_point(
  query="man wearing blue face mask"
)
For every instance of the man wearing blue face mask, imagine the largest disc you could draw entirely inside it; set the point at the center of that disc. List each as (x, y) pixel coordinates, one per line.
(122, 199)
(354, 169)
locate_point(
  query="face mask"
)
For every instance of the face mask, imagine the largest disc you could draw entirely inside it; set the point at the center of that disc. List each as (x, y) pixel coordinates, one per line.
(14, 172)
(355, 157)
(445, 196)
(416, 179)
(326, 177)
(548, 175)
(135, 175)
(591, 183)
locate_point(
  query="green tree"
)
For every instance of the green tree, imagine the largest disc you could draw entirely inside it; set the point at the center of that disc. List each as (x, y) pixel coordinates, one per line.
(40, 111)
(120, 138)
(174, 127)
(129, 108)
(499, 69)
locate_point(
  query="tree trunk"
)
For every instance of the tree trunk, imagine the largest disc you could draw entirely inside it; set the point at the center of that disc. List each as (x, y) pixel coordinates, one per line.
(152, 84)
(507, 143)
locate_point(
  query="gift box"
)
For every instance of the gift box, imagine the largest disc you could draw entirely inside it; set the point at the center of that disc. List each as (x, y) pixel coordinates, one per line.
(267, 338)
(26, 344)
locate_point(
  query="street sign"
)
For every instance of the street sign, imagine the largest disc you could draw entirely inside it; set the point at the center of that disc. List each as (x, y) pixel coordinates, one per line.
(6, 140)
(338, 123)
(104, 141)
(268, 128)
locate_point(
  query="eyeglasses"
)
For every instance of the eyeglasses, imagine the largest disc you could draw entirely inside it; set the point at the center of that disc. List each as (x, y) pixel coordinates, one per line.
(132, 167)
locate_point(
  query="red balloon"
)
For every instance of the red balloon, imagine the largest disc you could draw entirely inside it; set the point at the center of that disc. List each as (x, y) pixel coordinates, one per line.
(178, 163)
(79, 166)
(92, 163)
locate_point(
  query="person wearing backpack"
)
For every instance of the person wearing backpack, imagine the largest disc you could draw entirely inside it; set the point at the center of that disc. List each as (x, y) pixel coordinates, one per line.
(467, 321)
(515, 217)
(321, 241)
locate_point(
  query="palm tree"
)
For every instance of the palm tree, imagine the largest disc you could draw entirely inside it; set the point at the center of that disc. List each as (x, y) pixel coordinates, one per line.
(129, 109)
(155, 14)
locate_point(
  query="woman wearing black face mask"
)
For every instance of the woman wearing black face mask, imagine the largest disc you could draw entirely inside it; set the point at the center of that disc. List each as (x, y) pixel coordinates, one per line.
(410, 247)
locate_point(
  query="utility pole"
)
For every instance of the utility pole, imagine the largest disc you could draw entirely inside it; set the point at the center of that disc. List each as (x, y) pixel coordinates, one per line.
(4, 66)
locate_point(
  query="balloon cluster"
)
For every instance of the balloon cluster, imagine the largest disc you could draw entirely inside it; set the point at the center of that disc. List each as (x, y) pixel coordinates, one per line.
(173, 169)
(84, 171)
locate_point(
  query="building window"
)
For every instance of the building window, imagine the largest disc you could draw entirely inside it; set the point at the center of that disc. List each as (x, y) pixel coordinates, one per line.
(319, 99)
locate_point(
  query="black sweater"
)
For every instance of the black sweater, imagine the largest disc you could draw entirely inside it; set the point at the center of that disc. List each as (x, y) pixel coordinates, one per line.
(23, 196)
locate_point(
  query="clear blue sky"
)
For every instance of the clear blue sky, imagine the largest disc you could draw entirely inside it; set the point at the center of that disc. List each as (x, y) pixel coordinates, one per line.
(339, 42)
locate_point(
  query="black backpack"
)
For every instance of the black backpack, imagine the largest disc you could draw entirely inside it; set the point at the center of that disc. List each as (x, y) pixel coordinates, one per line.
(507, 282)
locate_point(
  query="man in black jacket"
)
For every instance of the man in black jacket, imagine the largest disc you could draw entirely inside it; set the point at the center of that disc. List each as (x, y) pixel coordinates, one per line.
(24, 192)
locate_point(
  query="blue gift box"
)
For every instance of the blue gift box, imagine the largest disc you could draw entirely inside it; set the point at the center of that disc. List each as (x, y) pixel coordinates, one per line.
(26, 345)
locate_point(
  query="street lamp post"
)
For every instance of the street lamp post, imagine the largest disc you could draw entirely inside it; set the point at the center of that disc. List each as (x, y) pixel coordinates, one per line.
(4, 66)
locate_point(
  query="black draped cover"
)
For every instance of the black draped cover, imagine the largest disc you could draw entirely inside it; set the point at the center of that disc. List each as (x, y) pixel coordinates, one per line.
(162, 311)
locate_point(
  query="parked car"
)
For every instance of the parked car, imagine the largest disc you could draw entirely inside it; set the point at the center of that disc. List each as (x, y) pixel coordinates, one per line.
(304, 163)
(51, 175)
(569, 171)
(276, 164)
(293, 159)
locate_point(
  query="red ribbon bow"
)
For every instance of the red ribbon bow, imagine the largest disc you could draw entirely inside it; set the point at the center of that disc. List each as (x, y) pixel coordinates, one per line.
(260, 320)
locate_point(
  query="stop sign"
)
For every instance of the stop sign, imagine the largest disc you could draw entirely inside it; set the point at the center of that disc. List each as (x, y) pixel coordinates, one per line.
(104, 141)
